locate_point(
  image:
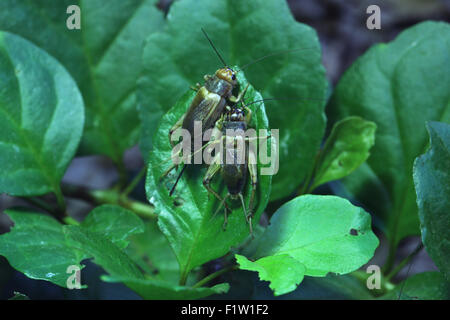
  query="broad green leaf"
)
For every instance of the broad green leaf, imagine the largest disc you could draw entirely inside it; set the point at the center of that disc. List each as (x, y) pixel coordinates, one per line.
(152, 252)
(379, 87)
(187, 219)
(105, 253)
(323, 234)
(43, 249)
(41, 112)
(432, 182)
(179, 57)
(114, 223)
(38, 247)
(283, 271)
(103, 57)
(346, 149)
(162, 290)
(422, 286)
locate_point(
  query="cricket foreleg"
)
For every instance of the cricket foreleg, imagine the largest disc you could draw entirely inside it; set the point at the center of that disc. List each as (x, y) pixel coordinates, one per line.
(240, 95)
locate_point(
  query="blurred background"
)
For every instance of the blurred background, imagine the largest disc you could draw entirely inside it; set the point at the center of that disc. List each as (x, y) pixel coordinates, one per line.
(342, 31)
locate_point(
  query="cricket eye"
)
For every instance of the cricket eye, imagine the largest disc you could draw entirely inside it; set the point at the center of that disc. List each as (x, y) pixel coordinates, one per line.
(233, 77)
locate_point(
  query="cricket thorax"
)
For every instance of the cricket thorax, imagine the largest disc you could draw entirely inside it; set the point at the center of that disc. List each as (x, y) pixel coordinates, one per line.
(219, 85)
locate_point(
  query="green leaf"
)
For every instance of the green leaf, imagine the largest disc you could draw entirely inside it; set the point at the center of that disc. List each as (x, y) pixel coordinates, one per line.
(38, 247)
(114, 223)
(422, 286)
(379, 87)
(346, 149)
(432, 182)
(179, 56)
(42, 118)
(105, 253)
(283, 271)
(186, 219)
(161, 290)
(42, 248)
(103, 57)
(152, 252)
(325, 233)
(322, 233)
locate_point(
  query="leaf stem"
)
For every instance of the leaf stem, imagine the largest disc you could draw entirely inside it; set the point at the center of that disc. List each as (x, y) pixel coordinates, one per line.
(122, 171)
(216, 274)
(404, 262)
(306, 187)
(134, 182)
(112, 196)
(183, 277)
(391, 257)
(40, 204)
(60, 200)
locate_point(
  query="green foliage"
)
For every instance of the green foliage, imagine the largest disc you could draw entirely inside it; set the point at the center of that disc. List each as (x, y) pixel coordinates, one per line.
(41, 125)
(42, 248)
(155, 289)
(422, 286)
(126, 74)
(432, 182)
(103, 57)
(398, 86)
(171, 64)
(346, 149)
(283, 271)
(321, 233)
(31, 245)
(152, 252)
(194, 232)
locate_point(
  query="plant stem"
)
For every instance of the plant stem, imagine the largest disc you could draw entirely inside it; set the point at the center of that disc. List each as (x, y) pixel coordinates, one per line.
(112, 196)
(70, 221)
(391, 257)
(58, 213)
(134, 182)
(183, 277)
(60, 200)
(40, 204)
(122, 171)
(208, 278)
(404, 262)
(306, 187)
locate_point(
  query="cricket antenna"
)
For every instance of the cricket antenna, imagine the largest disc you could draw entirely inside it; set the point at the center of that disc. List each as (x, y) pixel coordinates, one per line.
(274, 54)
(281, 99)
(212, 45)
(176, 182)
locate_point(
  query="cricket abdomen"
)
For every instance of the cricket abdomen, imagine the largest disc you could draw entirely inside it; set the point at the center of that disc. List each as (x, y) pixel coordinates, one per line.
(234, 177)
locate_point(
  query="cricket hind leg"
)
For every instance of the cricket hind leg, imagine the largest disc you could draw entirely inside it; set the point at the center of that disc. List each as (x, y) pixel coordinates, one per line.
(212, 170)
(253, 170)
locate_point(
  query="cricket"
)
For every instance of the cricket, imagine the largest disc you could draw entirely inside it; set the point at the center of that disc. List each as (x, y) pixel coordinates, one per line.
(209, 103)
(234, 159)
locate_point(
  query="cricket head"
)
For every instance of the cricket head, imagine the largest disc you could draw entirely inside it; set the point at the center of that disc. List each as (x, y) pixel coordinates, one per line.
(227, 74)
(234, 114)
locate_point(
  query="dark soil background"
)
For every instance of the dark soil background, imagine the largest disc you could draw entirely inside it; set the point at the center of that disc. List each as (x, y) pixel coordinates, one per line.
(341, 27)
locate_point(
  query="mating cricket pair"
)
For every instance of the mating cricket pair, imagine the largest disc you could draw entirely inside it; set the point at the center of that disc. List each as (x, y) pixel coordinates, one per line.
(215, 107)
